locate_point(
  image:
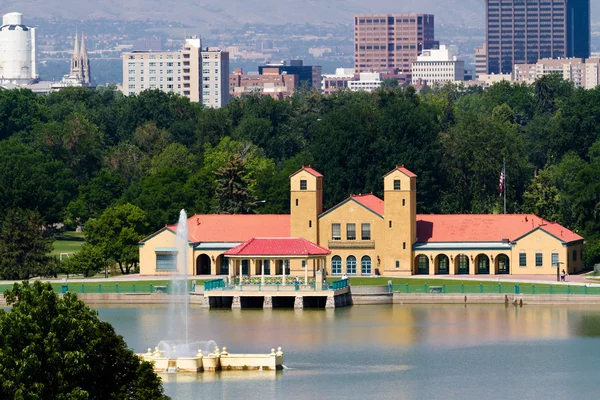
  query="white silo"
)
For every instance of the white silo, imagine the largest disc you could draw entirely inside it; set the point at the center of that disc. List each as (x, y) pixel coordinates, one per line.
(17, 50)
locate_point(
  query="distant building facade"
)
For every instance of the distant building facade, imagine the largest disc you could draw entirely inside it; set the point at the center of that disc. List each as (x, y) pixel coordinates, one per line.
(180, 72)
(581, 72)
(366, 82)
(384, 42)
(270, 82)
(18, 60)
(438, 66)
(480, 60)
(331, 83)
(523, 32)
(309, 75)
(80, 62)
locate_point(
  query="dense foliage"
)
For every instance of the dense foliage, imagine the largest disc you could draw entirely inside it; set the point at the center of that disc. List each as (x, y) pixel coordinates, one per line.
(75, 154)
(57, 348)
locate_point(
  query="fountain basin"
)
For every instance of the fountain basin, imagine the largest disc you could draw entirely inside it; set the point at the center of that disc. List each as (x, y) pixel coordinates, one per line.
(215, 361)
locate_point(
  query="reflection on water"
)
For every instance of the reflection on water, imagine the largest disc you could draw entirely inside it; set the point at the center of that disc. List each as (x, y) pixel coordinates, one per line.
(421, 351)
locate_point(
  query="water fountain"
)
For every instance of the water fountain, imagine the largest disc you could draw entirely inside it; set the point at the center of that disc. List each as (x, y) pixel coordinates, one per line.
(179, 353)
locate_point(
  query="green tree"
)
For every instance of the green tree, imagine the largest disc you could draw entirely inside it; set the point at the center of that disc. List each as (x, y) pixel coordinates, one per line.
(57, 348)
(24, 250)
(233, 195)
(86, 261)
(542, 198)
(117, 233)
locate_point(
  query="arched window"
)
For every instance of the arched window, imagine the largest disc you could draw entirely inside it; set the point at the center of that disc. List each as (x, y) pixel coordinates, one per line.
(483, 264)
(422, 265)
(365, 265)
(503, 264)
(336, 265)
(443, 265)
(463, 264)
(351, 265)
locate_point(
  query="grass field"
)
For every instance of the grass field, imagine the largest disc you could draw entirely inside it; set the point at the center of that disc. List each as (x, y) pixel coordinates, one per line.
(69, 242)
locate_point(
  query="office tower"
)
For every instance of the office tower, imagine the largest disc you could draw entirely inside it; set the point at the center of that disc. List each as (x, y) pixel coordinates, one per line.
(384, 42)
(525, 31)
(309, 75)
(180, 72)
(17, 50)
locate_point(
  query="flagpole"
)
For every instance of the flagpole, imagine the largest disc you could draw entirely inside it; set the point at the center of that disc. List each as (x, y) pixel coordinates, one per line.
(504, 183)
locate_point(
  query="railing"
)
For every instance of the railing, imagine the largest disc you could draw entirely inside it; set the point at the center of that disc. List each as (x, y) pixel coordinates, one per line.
(109, 287)
(214, 284)
(341, 284)
(497, 288)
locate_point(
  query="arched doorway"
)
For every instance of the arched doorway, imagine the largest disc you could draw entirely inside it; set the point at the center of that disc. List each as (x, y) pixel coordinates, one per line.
(483, 264)
(502, 264)
(422, 265)
(443, 265)
(203, 265)
(365, 265)
(462, 264)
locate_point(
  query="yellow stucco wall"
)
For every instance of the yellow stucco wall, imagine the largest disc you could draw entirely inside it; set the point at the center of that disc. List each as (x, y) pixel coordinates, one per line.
(305, 205)
(352, 213)
(163, 239)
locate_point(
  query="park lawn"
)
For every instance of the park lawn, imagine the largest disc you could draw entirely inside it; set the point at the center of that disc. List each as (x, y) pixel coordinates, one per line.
(70, 242)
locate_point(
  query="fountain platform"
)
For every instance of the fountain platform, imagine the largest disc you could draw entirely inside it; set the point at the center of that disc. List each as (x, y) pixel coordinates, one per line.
(216, 361)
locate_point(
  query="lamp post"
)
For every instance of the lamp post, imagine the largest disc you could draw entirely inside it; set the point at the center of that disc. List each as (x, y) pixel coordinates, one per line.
(558, 270)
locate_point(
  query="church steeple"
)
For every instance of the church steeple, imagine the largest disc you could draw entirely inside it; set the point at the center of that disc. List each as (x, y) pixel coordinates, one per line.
(80, 63)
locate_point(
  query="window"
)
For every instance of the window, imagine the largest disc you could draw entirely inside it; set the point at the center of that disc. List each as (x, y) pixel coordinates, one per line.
(224, 265)
(463, 264)
(423, 265)
(403, 202)
(303, 264)
(303, 184)
(310, 224)
(397, 263)
(555, 259)
(336, 233)
(396, 184)
(336, 265)
(365, 231)
(166, 261)
(350, 231)
(365, 265)
(296, 202)
(574, 255)
(286, 265)
(538, 259)
(390, 224)
(245, 267)
(403, 245)
(522, 259)
(266, 264)
(351, 265)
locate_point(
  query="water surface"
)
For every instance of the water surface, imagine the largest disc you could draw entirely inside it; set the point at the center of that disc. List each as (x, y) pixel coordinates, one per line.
(388, 352)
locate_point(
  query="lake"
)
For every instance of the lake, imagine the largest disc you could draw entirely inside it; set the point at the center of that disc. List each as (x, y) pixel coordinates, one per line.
(388, 351)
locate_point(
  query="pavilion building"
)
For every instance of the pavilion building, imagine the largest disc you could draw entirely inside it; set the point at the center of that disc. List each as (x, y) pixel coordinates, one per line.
(364, 236)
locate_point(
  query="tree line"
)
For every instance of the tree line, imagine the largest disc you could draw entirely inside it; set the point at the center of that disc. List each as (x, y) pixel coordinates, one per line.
(123, 167)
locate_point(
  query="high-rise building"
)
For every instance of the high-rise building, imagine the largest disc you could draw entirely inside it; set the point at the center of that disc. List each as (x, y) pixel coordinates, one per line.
(193, 72)
(17, 50)
(384, 42)
(80, 62)
(215, 77)
(480, 60)
(525, 31)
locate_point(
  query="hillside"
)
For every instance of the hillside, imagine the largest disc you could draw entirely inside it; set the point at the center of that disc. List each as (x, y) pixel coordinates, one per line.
(199, 14)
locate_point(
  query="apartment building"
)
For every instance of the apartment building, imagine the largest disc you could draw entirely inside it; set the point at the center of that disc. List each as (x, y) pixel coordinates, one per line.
(581, 72)
(438, 66)
(200, 74)
(385, 42)
(523, 32)
(269, 82)
(331, 83)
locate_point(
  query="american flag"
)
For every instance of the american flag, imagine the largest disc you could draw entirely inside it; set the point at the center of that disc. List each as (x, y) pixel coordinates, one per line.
(501, 184)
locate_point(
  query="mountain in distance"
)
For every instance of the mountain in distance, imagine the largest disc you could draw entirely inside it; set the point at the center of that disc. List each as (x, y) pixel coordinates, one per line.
(207, 14)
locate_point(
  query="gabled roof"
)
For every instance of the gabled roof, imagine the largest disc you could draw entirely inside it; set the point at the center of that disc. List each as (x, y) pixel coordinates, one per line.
(309, 170)
(369, 201)
(486, 228)
(404, 170)
(272, 247)
(235, 227)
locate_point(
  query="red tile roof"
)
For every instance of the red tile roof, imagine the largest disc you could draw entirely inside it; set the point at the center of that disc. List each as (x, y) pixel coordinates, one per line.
(404, 170)
(370, 201)
(485, 227)
(235, 227)
(278, 247)
(309, 170)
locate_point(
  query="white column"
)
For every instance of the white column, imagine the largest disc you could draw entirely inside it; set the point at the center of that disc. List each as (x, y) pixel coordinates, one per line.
(262, 272)
(239, 261)
(306, 272)
(283, 272)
